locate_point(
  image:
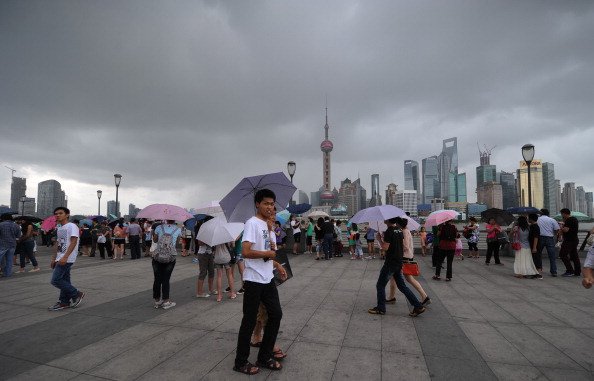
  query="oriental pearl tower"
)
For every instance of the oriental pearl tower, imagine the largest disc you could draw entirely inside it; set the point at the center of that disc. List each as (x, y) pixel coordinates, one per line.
(326, 197)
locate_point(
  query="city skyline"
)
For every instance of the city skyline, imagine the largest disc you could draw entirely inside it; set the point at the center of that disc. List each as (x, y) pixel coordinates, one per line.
(184, 106)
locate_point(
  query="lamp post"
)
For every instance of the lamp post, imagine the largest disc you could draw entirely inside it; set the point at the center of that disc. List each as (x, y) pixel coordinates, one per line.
(118, 179)
(99, 193)
(291, 167)
(528, 155)
(23, 199)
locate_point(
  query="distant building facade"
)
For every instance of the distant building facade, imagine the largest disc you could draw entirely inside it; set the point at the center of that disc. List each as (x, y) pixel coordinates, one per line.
(391, 194)
(490, 194)
(429, 167)
(508, 189)
(18, 189)
(549, 187)
(569, 196)
(111, 207)
(49, 196)
(407, 201)
(536, 184)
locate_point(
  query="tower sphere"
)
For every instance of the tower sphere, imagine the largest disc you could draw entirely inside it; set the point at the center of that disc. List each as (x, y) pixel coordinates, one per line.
(326, 146)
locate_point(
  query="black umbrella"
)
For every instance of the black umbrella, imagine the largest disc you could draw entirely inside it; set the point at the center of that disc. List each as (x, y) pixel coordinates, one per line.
(32, 219)
(523, 210)
(299, 208)
(502, 217)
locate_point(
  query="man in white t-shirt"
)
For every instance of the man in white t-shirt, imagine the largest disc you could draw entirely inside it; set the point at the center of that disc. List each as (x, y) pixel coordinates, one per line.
(259, 287)
(62, 261)
(296, 227)
(548, 231)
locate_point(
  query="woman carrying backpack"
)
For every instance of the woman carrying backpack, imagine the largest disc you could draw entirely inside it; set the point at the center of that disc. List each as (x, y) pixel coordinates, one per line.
(166, 237)
(447, 247)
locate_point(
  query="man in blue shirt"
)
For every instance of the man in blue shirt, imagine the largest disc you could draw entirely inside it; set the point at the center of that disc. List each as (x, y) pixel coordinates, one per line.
(9, 233)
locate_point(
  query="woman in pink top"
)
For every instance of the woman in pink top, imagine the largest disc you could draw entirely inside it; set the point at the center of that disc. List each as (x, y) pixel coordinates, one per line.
(493, 230)
(119, 233)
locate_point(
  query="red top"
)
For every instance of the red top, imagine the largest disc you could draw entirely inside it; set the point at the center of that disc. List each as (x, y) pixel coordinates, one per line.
(447, 237)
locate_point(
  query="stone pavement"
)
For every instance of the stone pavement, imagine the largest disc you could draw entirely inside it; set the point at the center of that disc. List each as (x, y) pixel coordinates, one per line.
(484, 325)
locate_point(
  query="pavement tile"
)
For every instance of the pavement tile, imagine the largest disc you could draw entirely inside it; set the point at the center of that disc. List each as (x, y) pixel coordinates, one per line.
(308, 361)
(326, 326)
(506, 372)
(11, 366)
(571, 342)
(491, 344)
(529, 314)
(404, 366)
(492, 312)
(44, 372)
(364, 331)
(398, 334)
(566, 375)
(447, 369)
(358, 364)
(294, 320)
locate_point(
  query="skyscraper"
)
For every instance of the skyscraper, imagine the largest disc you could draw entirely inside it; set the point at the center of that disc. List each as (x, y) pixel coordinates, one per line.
(49, 197)
(429, 167)
(326, 197)
(580, 198)
(549, 187)
(508, 189)
(589, 202)
(490, 194)
(411, 175)
(350, 194)
(111, 207)
(558, 197)
(391, 190)
(486, 174)
(376, 198)
(29, 205)
(568, 195)
(452, 186)
(407, 201)
(536, 185)
(18, 189)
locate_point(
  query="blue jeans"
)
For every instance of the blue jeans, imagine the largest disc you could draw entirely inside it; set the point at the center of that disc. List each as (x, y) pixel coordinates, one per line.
(8, 255)
(393, 270)
(61, 280)
(327, 245)
(26, 251)
(549, 243)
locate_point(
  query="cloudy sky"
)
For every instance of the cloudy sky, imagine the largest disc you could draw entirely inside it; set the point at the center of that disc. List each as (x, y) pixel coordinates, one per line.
(185, 98)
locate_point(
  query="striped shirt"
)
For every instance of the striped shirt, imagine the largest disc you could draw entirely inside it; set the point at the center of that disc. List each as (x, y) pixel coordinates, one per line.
(9, 233)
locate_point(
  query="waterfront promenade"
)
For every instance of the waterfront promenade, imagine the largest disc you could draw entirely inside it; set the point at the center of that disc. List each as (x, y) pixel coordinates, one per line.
(484, 325)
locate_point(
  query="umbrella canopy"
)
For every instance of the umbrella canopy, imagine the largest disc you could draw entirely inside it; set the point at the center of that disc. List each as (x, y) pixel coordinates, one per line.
(218, 231)
(5, 210)
(238, 205)
(283, 216)
(112, 217)
(164, 212)
(502, 217)
(579, 215)
(49, 223)
(28, 218)
(191, 223)
(86, 221)
(299, 208)
(412, 225)
(523, 210)
(317, 214)
(439, 217)
(378, 213)
(211, 208)
(98, 218)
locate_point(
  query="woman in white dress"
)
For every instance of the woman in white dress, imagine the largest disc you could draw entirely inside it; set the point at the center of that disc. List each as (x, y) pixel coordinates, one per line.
(524, 265)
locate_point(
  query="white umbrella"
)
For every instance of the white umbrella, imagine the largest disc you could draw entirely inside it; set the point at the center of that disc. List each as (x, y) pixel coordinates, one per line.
(211, 208)
(218, 231)
(318, 213)
(378, 213)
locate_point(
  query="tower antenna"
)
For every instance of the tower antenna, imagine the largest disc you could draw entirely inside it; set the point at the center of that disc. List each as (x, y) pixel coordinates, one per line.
(12, 171)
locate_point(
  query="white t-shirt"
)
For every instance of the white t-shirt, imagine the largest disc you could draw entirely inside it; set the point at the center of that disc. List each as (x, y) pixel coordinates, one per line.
(64, 233)
(296, 226)
(257, 270)
(547, 226)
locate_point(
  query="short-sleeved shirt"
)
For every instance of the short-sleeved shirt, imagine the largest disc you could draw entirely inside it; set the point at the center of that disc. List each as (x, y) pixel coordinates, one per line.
(327, 227)
(170, 229)
(65, 232)
(310, 229)
(134, 229)
(547, 226)
(256, 269)
(9, 233)
(296, 227)
(572, 234)
(534, 233)
(395, 251)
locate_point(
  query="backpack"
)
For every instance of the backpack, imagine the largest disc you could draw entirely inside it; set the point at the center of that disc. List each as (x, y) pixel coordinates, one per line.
(165, 251)
(429, 238)
(467, 233)
(448, 233)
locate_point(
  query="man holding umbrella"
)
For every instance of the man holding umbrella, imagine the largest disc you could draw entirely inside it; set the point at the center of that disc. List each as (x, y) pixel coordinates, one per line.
(259, 287)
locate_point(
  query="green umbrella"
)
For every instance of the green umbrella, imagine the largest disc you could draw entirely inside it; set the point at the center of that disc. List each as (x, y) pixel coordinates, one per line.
(579, 215)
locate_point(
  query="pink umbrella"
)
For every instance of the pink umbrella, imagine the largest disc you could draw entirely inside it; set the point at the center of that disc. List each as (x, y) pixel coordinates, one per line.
(49, 223)
(439, 217)
(164, 212)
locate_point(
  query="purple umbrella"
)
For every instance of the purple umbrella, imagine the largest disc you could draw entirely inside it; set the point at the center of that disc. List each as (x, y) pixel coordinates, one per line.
(164, 212)
(239, 206)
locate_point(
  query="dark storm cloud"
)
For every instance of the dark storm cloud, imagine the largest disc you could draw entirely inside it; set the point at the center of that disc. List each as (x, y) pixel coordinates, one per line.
(194, 95)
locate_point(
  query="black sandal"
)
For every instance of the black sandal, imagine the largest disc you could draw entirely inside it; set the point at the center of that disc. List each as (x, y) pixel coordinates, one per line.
(247, 368)
(271, 364)
(255, 345)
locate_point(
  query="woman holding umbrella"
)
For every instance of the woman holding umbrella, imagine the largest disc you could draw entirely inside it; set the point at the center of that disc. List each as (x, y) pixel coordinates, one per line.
(493, 230)
(447, 247)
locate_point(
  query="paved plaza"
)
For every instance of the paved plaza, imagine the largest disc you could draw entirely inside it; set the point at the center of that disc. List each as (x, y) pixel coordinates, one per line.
(484, 325)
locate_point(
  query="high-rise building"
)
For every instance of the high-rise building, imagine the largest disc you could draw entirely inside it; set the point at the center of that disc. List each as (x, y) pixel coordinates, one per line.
(349, 195)
(18, 189)
(508, 189)
(490, 194)
(558, 197)
(589, 202)
(407, 201)
(549, 187)
(326, 197)
(133, 210)
(536, 185)
(411, 176)
(111, 207)
(452, 184)
(461, 195)
(49, 196)
(29, 206)
(486, 174)
(569, 196)
(437, 204)
(429, 168)
(580, 198)
(391, 190)
(376, 198)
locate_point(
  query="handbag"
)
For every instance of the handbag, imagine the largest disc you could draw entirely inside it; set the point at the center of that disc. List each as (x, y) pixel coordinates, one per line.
(516, 245)
(221, 255)
(411, 268)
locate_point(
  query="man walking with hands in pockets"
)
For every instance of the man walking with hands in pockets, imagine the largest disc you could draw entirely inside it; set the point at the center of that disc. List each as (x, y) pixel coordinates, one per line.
(259, 287)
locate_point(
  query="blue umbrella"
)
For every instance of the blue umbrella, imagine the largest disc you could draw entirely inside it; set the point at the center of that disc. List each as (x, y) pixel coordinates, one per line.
(98, 218)
(191, 223)
(238, 205)
(86, 221)
(299, 208)
(523, 210)
(283, 217)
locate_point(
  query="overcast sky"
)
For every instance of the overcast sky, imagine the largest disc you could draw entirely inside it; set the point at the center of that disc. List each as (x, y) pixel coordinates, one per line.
(185, 98)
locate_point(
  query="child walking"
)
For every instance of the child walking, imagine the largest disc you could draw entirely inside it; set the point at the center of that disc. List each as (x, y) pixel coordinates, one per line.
(458, 252)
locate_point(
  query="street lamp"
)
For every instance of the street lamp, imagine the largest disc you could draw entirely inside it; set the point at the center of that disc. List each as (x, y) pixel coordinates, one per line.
(99, 193)
(291, 167)
(528, 155)
(118, 179)
(23, 199)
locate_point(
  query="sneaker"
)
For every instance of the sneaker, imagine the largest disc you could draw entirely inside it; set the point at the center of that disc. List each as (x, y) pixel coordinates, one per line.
(554, 275)
(567, 274)
(417, 311)
(228, 289)
(195, 260)
(376, 311)
(241, 291)
(76, 301)
(537, 276)
(34, 270)
(167, 305)
(215, 292)
(391, 301)
(426, 302)
(202, 295)
(158, 304)
(58, 306)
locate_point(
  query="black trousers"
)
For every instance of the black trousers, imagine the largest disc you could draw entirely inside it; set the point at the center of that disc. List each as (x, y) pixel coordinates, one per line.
(443, 254)
(256, 293)
(472, 246)
(435, 255)
(134, 241)
(162, 272)
(568, 253)
(493, 250)
(101, 247)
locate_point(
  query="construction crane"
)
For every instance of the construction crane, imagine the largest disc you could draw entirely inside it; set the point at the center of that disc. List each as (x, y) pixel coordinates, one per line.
(485, 155)
(12, 170)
